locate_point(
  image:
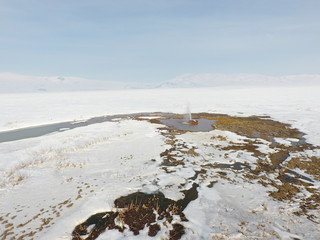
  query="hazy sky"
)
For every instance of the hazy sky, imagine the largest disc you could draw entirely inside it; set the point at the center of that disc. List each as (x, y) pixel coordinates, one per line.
(155, 40)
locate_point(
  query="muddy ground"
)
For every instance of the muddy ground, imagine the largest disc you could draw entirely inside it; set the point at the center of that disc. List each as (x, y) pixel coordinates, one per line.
(282, 169)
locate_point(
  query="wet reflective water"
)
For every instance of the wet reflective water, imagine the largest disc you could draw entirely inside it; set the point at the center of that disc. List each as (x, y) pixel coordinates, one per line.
(37, 131)
(204, 125)
(235, 166)
(31, 132)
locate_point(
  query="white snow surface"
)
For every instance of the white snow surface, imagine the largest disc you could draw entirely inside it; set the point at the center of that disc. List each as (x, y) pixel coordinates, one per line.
(299, 106)
(104, 161)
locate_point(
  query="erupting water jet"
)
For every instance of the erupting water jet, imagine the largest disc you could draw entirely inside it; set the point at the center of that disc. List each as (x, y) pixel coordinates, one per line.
(188, 117)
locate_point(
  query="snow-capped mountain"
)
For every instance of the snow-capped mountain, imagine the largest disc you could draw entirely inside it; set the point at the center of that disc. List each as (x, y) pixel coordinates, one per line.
(184, 81)
(216, 80)
(11, 82)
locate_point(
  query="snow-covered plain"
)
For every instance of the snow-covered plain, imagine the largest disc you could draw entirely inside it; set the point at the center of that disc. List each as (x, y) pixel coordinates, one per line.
(299, 106)
(50, 184)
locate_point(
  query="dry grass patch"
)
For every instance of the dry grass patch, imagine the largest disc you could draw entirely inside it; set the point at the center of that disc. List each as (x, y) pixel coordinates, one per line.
(254, 126)
(135, 212)
(310, 165)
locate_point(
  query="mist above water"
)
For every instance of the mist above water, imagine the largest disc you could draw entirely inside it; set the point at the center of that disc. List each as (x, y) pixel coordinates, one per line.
(187, 116)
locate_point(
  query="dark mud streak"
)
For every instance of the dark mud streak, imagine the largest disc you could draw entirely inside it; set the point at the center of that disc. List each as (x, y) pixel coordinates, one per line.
(299, 176)
(197, 174)
(235, 166)
(136, 205)
(189, 195)
(101, 222)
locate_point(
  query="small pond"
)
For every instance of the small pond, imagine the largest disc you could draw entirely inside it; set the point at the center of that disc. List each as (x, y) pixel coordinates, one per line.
(204, 125)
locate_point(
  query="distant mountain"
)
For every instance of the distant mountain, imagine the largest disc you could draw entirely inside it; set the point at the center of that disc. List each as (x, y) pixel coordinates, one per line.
(184, 81)
(11, 82)
(217, 80)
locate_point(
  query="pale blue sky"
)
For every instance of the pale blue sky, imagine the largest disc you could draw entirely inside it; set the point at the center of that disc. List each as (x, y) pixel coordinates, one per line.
(155, 40)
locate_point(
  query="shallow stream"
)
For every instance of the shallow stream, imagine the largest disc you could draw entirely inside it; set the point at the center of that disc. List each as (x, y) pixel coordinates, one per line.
(204, 125)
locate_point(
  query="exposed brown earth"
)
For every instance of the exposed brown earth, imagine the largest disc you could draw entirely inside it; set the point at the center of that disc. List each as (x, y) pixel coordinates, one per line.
(290, 171)
(137, 211)
(277, 169)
